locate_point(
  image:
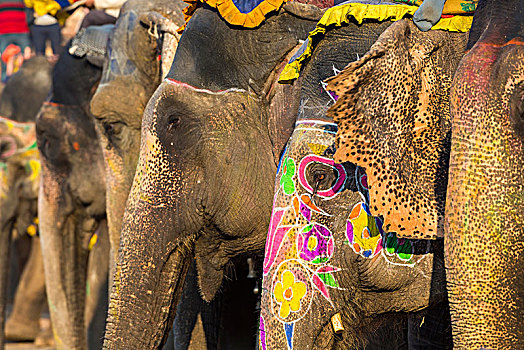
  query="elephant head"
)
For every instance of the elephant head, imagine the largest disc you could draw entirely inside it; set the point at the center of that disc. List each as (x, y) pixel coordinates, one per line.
(19, 178)
(404, 145)
(211, 137)
(484, 222)
(25, 91)
(71, 202)
(334, 276)
(145, 31)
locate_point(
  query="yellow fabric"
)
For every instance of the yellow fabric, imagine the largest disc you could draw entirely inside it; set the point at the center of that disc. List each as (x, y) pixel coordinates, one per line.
(340, 15)
(51, 7)
(43, 7)
(231, 14)
(451, 7)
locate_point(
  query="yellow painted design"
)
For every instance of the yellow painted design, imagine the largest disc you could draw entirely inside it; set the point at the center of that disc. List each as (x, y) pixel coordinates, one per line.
(36, 221)
(232, 14)
(31, 230)
(92, 241)
(340, 15)
(288, 294)
(35, 170)
(312, 243)
(365, 231)
(317, 148)
(9, 124)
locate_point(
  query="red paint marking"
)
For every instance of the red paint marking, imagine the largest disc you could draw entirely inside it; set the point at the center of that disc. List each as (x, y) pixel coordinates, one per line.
(513, 41)
(76, 146)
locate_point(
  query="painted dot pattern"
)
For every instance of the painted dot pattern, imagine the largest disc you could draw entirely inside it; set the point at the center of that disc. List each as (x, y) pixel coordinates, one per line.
(393, 117)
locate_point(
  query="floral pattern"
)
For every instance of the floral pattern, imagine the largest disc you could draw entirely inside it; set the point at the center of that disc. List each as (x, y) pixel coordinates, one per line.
(362, 232)
(288, 294)
(299, 264)
(315, 243)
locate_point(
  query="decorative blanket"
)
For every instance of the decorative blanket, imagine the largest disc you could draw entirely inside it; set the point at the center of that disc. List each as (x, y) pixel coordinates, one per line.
(245, 13)
(371, 9)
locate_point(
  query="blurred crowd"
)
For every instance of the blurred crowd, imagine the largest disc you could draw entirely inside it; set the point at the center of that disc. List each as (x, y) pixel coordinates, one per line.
(42, 27)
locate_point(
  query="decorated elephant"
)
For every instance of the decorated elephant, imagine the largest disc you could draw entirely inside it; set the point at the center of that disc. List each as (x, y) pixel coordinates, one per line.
(484, 220)
(334, 277)
(408, 148)
(71, 203)
(19, 175)
(20, 101)
(211, 138)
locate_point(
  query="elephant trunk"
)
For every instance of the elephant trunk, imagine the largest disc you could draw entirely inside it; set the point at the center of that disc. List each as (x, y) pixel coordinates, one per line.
(148, 280)
(5, 242)
(485, 201)
(156, 248)
(65, 263)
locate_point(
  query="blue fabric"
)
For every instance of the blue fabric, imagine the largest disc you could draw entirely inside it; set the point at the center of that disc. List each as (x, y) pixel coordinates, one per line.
(246, 6)
(63, 3)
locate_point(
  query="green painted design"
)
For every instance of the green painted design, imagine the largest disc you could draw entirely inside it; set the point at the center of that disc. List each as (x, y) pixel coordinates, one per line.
(33, 146)
(467, 7)
(320, 260)
(329, 279)
(402, 247)
(286, 180)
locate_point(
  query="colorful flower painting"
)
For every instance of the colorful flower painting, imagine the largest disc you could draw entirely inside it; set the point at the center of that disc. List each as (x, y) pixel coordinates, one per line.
(315, 243)
(362, 232)
(288, 293)
(301, 247)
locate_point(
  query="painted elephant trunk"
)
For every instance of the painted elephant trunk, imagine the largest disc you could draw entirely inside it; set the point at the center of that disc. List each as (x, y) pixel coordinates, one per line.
(60, 246)
(148, 280)
(153, 259)
(485, 201)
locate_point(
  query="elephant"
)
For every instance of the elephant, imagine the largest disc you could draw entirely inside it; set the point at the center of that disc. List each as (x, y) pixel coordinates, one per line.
(25, 91)
(211, 137)
(484, 214)
(20, 101)
(334, 276)
(458, 175)
(144, 31)
(71, 202)
(19, 174)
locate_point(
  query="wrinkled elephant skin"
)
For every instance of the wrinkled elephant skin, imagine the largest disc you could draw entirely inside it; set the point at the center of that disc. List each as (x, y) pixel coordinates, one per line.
(326, 254)
(71, 201)
(485, 210)
(203, 183)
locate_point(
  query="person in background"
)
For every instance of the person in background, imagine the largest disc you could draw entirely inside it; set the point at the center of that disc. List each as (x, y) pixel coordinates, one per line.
(13, 30)
(103, 12)
(44, 27)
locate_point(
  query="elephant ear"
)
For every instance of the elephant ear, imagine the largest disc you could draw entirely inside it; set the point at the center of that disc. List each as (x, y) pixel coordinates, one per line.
(283, 100)
(393, 117)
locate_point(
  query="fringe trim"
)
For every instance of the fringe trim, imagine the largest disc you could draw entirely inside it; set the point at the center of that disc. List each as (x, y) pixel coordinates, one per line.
(340, 15)
(232, 14)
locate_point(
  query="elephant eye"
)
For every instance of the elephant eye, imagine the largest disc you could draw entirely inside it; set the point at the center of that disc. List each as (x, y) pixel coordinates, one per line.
(172, 122)
(321, 177)
(113, 132)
